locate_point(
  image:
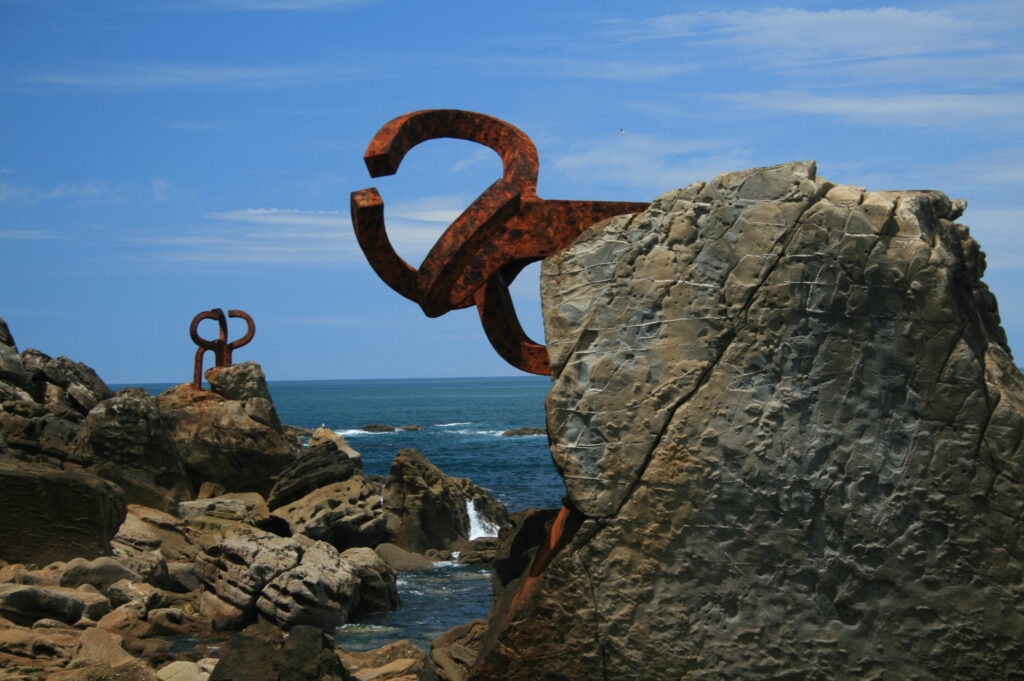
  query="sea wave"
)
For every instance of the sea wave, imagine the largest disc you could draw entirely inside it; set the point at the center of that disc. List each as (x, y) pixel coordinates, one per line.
(350, 432)
(476, 432)
(457, 423)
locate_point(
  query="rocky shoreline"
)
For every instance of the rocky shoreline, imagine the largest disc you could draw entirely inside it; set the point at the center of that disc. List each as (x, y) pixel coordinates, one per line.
(129, 521)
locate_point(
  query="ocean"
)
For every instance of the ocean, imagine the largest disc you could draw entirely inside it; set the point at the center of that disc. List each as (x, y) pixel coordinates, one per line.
(463, 420)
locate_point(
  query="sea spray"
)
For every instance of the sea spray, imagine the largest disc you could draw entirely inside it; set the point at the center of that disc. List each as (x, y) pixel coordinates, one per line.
(479, 525)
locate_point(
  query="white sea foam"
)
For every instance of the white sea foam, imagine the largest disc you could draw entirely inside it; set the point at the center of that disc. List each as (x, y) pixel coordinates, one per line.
(477, 432)
(355, 431)
(479, 526)
(457, 423)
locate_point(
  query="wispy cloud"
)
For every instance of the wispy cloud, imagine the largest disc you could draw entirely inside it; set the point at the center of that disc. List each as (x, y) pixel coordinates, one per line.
(146, 76)
(267, 5)
(288, 237)
(89, 190)
(653, 163)
(791, 36)
(907, 109)
(599, 69)
(30, 234)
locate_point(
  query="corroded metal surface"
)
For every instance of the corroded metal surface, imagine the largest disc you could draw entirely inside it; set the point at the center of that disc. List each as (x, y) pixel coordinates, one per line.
(482, 251)
(220, 347)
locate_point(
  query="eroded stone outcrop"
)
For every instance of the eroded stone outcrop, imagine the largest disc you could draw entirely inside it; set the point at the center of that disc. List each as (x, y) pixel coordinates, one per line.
(788, 417)
(426, 509)
(230, 442)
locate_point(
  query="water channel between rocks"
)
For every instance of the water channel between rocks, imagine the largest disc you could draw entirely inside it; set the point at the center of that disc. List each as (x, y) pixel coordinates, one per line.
(463, 420)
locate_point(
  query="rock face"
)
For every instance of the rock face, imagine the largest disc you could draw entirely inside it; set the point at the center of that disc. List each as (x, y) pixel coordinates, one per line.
(786, 415)
(428, 510)
(295, 581)
(47, 514)
(344, 514)
(329, 459)
(226, 441)
(127, 438)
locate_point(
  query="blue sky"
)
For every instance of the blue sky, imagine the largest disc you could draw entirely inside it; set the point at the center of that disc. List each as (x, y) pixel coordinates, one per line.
(160, 158)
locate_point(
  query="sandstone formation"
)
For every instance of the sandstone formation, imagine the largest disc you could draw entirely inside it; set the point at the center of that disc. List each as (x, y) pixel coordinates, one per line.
(328, 459)
(428, 510)
(48, 514)
(129, 443)
(236, 444)
(791, 434)
(344, 514)
(293, 581)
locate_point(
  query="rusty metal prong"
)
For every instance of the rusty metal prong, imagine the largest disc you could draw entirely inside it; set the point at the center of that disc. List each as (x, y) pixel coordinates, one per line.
(501, 323)
(368, 222)
(391, 143)
(250, 331)
(460, 245)
(216, 314)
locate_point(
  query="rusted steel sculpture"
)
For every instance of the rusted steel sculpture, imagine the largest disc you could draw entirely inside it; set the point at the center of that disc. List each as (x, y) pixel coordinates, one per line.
(481, 253)
(221, 348)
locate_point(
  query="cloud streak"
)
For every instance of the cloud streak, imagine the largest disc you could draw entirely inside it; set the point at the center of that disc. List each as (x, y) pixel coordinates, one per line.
(155, 76)
(911, 109)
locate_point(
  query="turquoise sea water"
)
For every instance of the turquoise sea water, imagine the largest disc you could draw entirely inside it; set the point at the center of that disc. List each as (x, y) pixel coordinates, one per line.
(463, 420)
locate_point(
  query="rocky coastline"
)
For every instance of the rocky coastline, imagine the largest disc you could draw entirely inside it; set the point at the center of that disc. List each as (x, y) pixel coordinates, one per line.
(129, 521)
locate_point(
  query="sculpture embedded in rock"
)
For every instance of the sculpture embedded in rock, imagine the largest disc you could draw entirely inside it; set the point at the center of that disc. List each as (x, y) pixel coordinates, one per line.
(788, 417)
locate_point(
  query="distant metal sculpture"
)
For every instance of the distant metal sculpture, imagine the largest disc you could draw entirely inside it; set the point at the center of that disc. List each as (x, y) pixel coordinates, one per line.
(481, 253)
(221, 348)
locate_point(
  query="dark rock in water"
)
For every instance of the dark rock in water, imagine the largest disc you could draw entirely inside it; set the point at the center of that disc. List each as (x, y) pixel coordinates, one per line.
(525, 431)
(378, 428)
(127, 442)
(225, 441)
(402, 560)
(787, 416)
(411, 428)
(479, 551)
(378, 591)
(325, 462)
(48, 514)
(454, 652)
(307, 654)
(428, 510)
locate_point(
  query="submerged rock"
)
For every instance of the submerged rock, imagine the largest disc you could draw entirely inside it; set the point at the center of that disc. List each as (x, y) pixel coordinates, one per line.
(787, 417)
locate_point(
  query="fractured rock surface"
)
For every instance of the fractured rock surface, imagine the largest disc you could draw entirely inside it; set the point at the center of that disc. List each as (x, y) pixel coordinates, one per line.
(790, 418)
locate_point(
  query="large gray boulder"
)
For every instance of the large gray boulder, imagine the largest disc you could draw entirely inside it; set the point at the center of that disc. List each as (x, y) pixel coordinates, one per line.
(790, 430)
